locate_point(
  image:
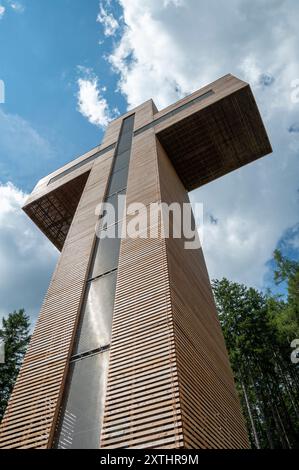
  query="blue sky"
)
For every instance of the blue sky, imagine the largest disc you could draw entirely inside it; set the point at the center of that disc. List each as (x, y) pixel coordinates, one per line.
(70, 66)
(42, 47)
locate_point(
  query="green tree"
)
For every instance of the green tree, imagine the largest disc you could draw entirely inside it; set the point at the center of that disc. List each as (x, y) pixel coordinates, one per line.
(266, 379)
(15, 335)
(287, 318)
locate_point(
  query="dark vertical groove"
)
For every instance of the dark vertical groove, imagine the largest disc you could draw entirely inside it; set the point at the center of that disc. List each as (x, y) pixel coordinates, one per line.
(82, 406)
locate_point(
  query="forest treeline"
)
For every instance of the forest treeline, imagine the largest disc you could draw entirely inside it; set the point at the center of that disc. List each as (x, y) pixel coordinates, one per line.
(15, 336)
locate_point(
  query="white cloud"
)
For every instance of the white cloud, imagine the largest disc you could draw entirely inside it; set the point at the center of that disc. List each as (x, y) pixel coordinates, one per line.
(91, 103)
(253, 206)
(27, 258)
(177, 3)
(16, 6)
(109, 22)
(171, 48)
(2, 11)
(178, 46)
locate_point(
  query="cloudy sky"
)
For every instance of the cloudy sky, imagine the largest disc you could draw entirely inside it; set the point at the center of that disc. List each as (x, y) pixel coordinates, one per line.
(70, 66)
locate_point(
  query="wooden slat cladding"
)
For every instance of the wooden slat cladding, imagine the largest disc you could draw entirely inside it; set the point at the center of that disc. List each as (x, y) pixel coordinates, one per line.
(211, 413)
(143, 115)
(204, 139)
(142, 407)
(30, 417)
(170, 384)
(53, 213)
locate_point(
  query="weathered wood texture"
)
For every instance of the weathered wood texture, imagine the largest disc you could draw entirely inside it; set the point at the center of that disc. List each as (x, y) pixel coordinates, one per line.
(30, 417)
(216, 135)
(211, 412)
(214, 130)
(142, 406)
(169, 384)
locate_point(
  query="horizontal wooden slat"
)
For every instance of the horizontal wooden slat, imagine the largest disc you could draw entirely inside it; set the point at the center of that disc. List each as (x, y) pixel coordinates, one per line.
(31, 414)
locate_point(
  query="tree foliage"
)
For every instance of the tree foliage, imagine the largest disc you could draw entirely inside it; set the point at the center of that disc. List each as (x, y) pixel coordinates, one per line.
(258, 329)
(15, 334)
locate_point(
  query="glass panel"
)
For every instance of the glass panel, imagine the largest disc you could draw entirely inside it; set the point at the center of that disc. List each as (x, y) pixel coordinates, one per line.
(118, 181)
(81, 421)
(83, 406)
(125, 142)
(106, 252)
(128, 124)
(122, 160)
(118, 203)
(96, 316)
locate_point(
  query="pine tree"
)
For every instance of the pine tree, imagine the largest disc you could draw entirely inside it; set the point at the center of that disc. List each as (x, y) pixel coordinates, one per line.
(15, 335)
(259, 352)
(288, 318)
